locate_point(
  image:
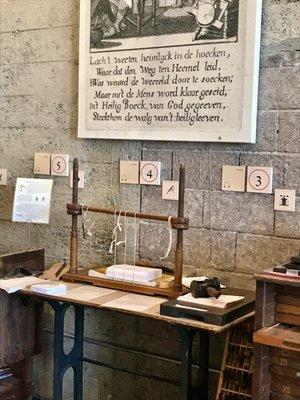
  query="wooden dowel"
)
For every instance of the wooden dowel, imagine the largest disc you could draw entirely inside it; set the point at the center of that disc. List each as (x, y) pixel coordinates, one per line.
(179, 245)
(155, 217)
(74, 233)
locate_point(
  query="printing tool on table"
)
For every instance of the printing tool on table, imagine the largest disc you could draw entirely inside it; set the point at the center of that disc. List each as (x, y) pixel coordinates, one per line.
(290, 268)
(210, 287)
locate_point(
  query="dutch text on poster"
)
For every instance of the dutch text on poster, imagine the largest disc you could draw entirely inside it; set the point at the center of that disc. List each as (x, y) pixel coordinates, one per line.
(185, 72)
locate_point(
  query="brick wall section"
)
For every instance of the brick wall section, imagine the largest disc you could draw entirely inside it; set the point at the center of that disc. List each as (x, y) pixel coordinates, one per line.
(232, 235)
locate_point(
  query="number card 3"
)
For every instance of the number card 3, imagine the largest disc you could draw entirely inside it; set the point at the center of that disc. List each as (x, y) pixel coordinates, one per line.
(259, 179)
(60, 164)
(150, 172)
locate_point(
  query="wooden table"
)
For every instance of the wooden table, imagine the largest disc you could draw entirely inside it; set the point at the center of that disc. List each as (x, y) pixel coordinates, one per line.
(81, 296)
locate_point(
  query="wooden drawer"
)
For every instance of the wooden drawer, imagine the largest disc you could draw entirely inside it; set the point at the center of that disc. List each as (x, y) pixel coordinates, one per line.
(286, 371)
(279, 335)
(284, 385)
(280, 396)
(285, 353)
(288, 308)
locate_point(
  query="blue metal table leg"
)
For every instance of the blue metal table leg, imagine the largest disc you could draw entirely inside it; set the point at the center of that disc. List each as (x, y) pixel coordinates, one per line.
(203, 365)
(187, 338)
(74, 359)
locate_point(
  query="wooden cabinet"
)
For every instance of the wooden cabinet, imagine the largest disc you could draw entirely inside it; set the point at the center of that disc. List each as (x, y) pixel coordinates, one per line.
(277, 338)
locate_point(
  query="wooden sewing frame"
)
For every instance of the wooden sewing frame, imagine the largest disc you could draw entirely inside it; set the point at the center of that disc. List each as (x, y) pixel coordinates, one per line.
(179, 223)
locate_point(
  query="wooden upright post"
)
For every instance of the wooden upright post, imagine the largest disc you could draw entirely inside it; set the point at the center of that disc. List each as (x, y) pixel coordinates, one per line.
(74, 233)
(179, 245)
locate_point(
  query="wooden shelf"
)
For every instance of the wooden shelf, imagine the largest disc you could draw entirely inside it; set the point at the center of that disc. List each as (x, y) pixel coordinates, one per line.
(249, 396)
(244, 346)
(279, 335)
(238, 369)
(83, 277)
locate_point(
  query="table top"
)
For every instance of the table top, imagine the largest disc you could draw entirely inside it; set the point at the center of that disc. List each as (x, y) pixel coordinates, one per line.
(128, 303)
(278, 278)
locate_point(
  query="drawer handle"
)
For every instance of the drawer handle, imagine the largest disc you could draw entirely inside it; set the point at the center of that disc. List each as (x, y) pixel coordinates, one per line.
(291, 345)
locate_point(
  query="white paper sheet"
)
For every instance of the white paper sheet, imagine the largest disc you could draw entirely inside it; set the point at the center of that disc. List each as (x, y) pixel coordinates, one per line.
(135, 302)
(15, 284)
(32, 200)
(85, 293)
(222, 302)
(186, 281)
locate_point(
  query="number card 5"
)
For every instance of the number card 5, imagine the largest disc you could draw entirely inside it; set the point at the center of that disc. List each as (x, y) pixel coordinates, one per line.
(259, 179)
(60, 164)
(150, 172)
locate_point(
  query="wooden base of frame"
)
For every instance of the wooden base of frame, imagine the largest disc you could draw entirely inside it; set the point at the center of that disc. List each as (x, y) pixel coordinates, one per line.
(83, 277)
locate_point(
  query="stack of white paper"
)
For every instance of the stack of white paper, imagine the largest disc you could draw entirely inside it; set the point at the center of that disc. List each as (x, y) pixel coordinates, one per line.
(222, 302)
(131, 273)
(49, 288)
(14, 284)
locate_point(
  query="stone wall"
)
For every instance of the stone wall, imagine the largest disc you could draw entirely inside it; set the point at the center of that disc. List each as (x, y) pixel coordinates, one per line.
(232, 235)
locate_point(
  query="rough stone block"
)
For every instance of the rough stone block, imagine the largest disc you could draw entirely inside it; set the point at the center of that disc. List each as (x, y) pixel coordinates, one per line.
(240, 212)
(127, 150)
(154, 239)
(203, 170)
(267, 122)
(52, 44)
(46, 14)
(255, 253)
(193, 208)
(230, 280)
(287, 224)
(292, 176)
(55, 112)
(288, 139)
(276, 21)
(276, 86)
(204, 248)
(151, 202)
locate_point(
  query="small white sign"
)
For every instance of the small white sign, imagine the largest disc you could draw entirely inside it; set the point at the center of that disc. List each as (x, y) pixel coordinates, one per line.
(233, 178)
(284, 200)
(150, 173)
(129, 172)
(60, 164)
(32, 200)
(170, 190)
(80, 179)
(259, 179)
(42, 163)
(3, 177)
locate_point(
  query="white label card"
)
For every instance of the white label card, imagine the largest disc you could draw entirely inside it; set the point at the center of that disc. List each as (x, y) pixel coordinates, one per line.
(150, 172)
(170, 190)
(60, 164)
(259, 179)
(32, 200)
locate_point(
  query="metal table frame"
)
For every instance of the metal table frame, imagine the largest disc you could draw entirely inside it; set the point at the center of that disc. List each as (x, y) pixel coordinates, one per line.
(75, 358)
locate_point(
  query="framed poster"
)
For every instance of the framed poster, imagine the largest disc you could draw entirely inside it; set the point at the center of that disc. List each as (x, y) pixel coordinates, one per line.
(184, 70)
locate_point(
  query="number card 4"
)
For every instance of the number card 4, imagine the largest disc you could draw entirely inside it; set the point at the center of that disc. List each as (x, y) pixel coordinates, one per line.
(259, 179)
(150, 172)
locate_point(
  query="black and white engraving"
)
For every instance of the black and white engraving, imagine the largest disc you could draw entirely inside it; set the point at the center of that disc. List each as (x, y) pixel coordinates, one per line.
(114, 21)
(169, 69)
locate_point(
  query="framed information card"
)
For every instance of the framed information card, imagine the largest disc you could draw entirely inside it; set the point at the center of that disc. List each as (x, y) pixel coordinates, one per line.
(184, 70)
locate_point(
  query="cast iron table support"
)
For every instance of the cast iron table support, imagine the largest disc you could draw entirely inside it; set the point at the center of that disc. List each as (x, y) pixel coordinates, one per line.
(187, 391)
(74, 359)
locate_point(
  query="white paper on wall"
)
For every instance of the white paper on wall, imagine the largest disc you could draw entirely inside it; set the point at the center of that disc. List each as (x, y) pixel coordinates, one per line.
(32, 200)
